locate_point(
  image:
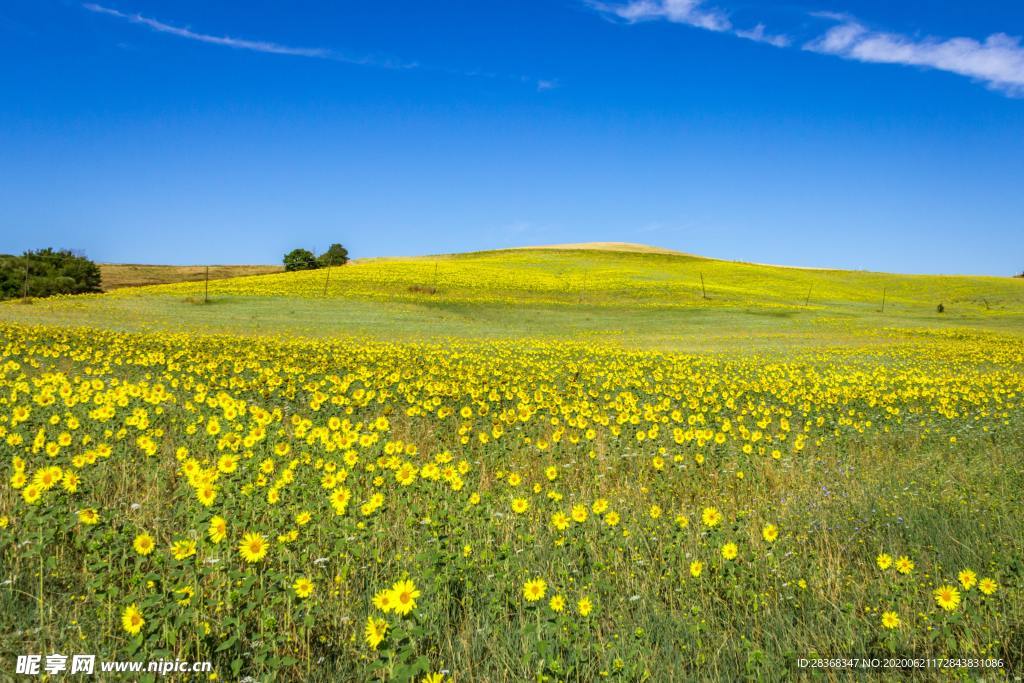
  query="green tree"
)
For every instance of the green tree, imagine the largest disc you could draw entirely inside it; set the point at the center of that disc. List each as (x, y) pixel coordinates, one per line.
(300, 259)
(336, 255)
(46, 272)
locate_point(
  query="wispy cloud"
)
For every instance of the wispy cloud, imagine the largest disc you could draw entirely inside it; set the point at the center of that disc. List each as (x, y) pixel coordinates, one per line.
(690, 12)
(542, 84)
(227, 41)
(998, 61)
(759, 35)
(252, 45)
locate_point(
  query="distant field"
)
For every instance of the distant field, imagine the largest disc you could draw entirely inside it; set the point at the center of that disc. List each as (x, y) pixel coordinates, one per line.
(620, 279)
(644, 300)
(118, 275)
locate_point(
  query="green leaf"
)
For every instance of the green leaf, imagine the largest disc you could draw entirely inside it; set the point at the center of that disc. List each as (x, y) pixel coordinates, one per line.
(227, 644)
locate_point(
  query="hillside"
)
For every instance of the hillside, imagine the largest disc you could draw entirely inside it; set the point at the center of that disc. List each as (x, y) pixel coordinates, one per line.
(119, 275)
(605, 277)
(632, 297)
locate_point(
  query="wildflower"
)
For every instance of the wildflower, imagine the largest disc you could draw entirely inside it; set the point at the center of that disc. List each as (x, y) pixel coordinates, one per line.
(967, 579)
(988, 586)
(904, 565)
(206, 495)
(253, 547)
(183, 549)
(947, 597)
(890, 620)
(696, 568)
(31, 493)
(131, 619)
(560, 521)
(557, 603)
(403, 597)
(218, 529)
(884, 561)
(534, 590)
(584, 606)
(520, 505)
(89, 516)
(374, 632)
(711, 516)
(303, 587)
(382, 601)
(769, 533)
(579, 513)
(143, 544)
(729, 551)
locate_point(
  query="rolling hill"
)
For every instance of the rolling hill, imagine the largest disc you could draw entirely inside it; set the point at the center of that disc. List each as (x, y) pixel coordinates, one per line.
(625, 294)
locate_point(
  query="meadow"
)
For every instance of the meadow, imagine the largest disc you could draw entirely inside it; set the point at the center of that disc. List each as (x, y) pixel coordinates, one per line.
(522, 465)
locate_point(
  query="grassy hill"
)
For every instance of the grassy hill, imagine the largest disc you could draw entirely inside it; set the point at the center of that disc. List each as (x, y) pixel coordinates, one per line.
(622, 293)
(617, 278)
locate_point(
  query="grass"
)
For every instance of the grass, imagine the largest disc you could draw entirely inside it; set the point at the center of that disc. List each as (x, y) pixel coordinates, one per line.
(648, 300)
(855, 432)
(119, 275)
(617, 279)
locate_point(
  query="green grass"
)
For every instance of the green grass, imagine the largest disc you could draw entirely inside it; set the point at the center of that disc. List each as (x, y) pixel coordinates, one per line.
(633, 299)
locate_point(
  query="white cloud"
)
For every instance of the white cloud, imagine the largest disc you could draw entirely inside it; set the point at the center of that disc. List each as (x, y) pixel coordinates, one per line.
(542, 85)
(997, 62)
(758, 34)
(227, 41)
(691, 12)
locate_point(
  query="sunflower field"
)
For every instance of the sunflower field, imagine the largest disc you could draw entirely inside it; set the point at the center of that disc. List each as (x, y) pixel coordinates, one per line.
(302, 509)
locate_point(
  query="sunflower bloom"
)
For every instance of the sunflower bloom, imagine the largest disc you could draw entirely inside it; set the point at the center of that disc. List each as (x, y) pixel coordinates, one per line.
(303, 587)
(947, 597)
(403, 597)
(374, 632)
(253, 547)
(534, 590)
(218, 529)
(967, 579)
(143, 544)
(131, 619)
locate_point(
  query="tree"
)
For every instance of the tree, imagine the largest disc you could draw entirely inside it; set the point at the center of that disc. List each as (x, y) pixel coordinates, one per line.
(47, 272)
(300, 259)
(336, 255)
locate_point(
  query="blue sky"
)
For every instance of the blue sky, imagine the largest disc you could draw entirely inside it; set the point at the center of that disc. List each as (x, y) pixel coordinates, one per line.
(848, 133)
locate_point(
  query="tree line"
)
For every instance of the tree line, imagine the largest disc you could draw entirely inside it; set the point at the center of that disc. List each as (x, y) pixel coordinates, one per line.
(46, 272)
